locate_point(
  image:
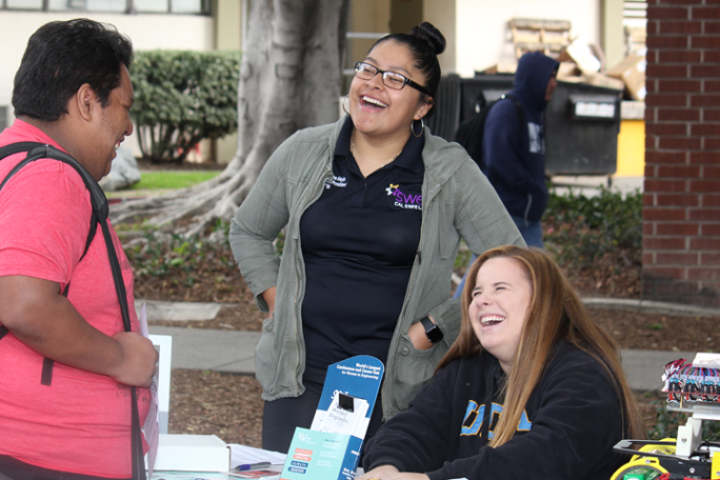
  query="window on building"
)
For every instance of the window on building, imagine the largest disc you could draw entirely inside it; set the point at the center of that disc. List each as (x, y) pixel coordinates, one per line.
(186, 6)
(635, 26)
(142, 6)
(24, 4)
(119, 6)
(115, 6)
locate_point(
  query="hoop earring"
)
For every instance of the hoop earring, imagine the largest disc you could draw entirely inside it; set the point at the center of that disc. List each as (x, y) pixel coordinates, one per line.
(345, 109)
(422, 128)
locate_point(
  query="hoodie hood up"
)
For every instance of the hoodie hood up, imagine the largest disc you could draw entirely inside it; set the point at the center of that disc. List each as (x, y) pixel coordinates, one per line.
(533, 74)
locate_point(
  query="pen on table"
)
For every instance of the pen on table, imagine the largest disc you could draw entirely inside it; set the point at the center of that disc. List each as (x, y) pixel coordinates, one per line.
(252, 466)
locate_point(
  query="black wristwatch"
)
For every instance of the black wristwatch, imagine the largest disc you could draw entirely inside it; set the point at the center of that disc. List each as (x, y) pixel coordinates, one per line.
(432, 331)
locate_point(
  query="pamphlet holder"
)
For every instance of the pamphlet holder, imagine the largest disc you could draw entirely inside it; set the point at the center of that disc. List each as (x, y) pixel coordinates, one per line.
(330, 450)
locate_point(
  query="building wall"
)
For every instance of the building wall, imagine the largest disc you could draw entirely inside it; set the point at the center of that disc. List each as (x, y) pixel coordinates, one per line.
(611, 31)
(366, 16)
(681, 217)
(482, 36)
(228, 18)
(147, 31)
(179, 32)
(441, 13)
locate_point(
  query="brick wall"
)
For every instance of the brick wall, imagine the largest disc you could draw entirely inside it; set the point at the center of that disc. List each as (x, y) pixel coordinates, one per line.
(681, 216)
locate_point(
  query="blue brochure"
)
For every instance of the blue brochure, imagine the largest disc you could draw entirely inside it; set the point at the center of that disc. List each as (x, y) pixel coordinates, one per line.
(330, 450)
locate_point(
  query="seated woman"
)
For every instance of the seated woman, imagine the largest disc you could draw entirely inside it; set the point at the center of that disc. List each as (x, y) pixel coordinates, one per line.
(532, 388)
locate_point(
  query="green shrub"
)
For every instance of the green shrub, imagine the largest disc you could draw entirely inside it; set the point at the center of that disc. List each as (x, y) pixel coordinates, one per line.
(667, 423)
(584, 230)
(180, 259)
(182, 97)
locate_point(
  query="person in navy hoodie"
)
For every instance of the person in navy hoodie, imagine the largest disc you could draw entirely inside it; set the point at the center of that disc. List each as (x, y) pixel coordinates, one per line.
(514, 147)
(514, 152)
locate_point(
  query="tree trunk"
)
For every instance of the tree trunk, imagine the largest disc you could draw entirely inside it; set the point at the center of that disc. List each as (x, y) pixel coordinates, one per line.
(289, 79)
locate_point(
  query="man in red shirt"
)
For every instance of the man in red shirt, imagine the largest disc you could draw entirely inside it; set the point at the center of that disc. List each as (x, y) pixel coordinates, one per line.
(73, 92)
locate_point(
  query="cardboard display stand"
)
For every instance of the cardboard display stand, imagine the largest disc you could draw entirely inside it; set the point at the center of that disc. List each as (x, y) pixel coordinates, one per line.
(330, 450)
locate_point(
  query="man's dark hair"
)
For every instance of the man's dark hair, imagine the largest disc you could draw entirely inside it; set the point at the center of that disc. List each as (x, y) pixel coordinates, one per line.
(60, 58)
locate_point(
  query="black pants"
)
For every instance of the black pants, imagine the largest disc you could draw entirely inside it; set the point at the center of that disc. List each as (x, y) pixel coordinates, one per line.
(12, 469)
(280, 417)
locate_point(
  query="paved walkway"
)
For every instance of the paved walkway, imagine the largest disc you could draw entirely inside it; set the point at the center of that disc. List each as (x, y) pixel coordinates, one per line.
(233, 351)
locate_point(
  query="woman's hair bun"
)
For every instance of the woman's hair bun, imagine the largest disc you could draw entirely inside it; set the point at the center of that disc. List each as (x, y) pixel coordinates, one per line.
(427, 32)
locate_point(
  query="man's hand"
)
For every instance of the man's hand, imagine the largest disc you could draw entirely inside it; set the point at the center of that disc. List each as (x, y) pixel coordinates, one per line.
(139, 358)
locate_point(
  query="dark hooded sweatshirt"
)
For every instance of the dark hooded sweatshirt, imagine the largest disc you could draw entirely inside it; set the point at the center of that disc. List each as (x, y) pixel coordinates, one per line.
(568, 428)
(514, 153)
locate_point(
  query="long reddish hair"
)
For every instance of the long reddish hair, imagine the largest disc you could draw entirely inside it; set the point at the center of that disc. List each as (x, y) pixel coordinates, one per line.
(555, 313)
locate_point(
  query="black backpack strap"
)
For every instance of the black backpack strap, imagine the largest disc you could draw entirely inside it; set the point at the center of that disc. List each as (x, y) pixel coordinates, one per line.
(31, 147)
(138, 463)
(518, 106)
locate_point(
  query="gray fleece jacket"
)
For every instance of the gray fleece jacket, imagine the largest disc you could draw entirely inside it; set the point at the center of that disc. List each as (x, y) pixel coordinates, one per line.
(458, 202)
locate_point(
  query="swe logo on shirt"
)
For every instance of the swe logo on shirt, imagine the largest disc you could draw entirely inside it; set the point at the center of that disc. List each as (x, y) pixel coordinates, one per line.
(408, 202)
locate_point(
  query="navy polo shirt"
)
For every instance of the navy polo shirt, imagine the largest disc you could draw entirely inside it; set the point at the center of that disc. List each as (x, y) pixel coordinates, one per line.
(359, 241)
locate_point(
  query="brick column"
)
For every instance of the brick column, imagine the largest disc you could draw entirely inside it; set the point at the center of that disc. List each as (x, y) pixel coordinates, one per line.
(681, 216)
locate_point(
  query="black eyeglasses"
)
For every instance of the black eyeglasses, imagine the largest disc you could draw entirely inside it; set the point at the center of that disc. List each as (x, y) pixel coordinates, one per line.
(396, 81)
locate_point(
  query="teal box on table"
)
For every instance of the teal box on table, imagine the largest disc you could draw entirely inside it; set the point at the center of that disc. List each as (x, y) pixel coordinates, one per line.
(330, 449)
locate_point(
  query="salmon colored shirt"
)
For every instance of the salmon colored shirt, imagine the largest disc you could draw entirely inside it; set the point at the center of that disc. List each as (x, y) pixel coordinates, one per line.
(81, 423)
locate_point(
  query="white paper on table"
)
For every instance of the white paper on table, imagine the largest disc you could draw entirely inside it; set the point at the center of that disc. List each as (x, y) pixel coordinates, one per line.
(338, 420)
(711, 360)
(242, 454)
(151, 427)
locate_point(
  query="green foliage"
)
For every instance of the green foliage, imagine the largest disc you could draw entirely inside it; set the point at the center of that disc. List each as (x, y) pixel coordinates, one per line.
(667, 423)
(586, 229)
(172, 179)
(462, 259)
(179, 258)
(280, 243)
(182, 97)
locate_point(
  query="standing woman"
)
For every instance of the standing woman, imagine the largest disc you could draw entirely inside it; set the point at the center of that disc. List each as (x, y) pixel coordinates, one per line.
(375, 208)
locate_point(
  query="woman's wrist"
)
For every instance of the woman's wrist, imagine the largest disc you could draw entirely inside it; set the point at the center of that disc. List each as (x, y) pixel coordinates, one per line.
(269, 297)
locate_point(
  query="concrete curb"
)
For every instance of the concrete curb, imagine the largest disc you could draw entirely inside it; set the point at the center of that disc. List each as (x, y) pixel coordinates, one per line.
(179, 311)
(647, 306)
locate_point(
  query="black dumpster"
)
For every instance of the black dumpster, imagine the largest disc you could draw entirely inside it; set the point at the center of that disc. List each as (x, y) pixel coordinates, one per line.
(582, 121)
